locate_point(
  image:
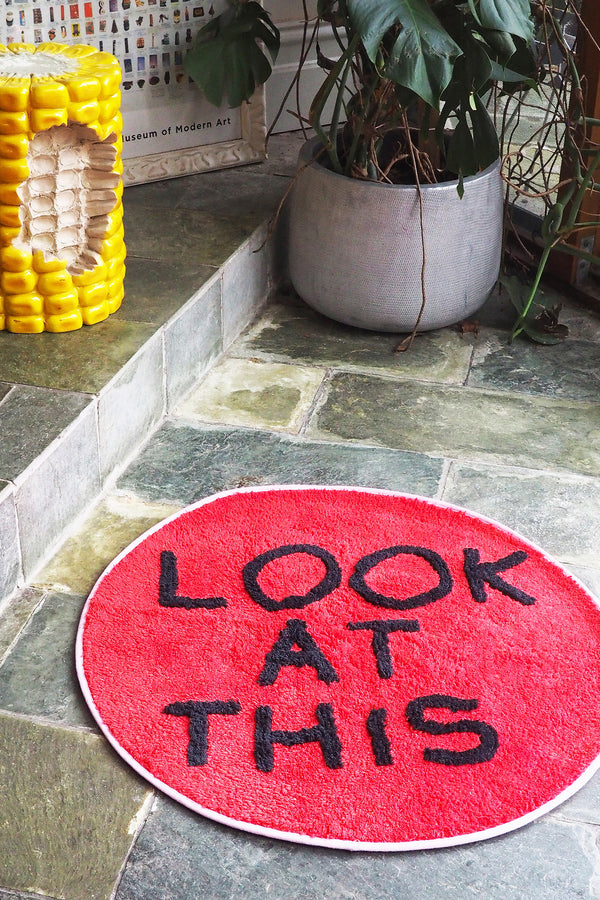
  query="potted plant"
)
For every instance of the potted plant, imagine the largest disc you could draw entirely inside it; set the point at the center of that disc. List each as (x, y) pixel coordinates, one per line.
(395, 219)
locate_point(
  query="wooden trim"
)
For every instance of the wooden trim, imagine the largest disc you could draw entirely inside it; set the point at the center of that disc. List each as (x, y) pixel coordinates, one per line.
(568, 268)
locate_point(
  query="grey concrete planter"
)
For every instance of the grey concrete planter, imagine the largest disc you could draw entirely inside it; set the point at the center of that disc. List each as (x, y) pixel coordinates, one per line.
(355, 251)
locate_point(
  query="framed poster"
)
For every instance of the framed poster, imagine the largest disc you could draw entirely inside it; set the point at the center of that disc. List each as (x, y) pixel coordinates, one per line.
(169, 129)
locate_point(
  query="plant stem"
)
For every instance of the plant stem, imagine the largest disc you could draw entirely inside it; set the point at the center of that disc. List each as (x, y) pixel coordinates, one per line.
(518, 326)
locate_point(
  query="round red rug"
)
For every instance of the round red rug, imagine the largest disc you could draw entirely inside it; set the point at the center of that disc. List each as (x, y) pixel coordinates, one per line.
(346, 667)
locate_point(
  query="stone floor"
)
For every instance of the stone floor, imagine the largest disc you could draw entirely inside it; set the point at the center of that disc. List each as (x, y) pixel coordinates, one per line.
(509, 431)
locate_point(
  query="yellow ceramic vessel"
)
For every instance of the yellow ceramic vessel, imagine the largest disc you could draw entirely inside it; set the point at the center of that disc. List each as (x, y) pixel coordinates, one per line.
(62, 252)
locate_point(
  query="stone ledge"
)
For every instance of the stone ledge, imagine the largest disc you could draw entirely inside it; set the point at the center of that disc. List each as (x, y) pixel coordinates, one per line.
(91, 434)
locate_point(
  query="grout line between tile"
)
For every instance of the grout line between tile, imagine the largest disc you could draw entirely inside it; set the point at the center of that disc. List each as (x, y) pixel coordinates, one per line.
(52, 447)
(140, 819)
(51, 723)
(447, 466)
(9, 392)
(318, 399)
(17, 637)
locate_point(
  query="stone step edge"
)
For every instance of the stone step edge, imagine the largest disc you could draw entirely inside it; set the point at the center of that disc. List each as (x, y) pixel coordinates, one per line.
(39, 506)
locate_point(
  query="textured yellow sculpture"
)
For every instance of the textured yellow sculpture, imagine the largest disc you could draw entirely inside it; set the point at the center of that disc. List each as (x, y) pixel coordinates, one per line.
(61, 214)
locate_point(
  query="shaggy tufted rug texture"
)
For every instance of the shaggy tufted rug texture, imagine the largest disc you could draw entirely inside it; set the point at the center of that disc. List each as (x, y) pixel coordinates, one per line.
(346, 667)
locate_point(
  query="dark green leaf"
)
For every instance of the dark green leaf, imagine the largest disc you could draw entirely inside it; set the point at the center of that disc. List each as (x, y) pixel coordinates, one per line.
(485, 137)
(516, 291)
(545, 328)
(473, 145)
(474, 12)
(477, 66)
(541, 322)
(228, 60)
(461, 156)
(505, 74)
(513, 16)
(204, 65)
(502, 43)
(521, 67)
(423, 54)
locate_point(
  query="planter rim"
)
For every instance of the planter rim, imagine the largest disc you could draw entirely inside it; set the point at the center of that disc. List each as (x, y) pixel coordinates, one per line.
(309, 150)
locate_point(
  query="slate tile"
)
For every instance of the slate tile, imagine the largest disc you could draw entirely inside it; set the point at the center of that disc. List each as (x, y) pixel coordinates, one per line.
(38, 676)
(10, 548)
(131, 405)
(548, 860)
(590, 578)
(83, 360)
(245, 285)
(154, 193)
(584, 806)
(251, 191)
(561, 514)
(193, 341)
(15, 895)
(499, 313)
(250, 393)
(282, 152)
(582, 323)
(70, 809)
(476, 425)
(155, 289)
(15, 615)
(31, 418)
(112, 525)
(183, 464)
(290, 331)
(53, 492)
(176, 235)
(69, 806)
(570, 370)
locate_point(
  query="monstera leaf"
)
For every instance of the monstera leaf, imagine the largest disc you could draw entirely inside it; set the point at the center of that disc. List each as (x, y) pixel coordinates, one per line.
(473, 144)
(512, 16)
(423, 54)
(227, 59)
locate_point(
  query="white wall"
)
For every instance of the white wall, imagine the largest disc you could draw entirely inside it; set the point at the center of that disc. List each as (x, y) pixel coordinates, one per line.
(289, 20)
(286, 10)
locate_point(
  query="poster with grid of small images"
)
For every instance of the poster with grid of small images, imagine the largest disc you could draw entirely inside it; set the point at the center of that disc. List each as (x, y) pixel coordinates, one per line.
(163, 110)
